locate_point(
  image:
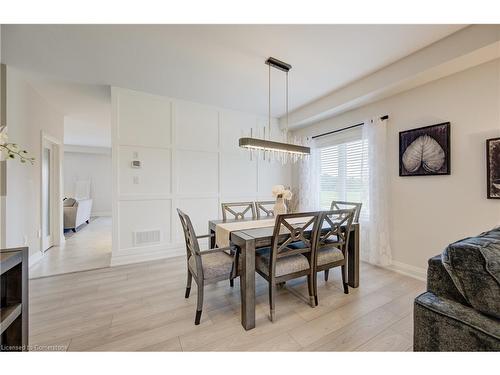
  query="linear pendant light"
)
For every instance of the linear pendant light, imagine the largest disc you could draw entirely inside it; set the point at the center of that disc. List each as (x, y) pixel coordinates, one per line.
(283, 150)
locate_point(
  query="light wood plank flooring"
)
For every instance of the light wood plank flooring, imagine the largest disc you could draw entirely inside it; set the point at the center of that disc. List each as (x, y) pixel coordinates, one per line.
(89, 248)
(142, 308)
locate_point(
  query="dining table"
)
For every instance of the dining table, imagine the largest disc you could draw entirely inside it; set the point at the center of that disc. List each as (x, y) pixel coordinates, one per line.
(251, 236)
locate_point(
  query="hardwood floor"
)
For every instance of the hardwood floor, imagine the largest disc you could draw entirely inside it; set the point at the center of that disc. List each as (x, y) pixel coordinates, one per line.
(88, 248)
(142, 307)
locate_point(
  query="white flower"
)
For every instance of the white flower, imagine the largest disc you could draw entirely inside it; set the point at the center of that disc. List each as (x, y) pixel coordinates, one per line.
(278, 189)
(287, 194)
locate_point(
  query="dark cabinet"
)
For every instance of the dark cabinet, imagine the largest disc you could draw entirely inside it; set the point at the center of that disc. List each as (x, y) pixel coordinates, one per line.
(14, 299)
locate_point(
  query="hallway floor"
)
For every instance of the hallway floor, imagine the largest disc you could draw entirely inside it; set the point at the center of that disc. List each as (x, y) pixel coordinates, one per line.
(89, 248)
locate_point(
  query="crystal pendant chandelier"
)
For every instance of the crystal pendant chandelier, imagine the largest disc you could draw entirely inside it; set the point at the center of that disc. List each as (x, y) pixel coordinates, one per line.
(271, 149)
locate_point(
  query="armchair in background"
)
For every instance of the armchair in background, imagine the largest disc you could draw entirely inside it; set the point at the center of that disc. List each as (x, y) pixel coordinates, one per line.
(76, 212)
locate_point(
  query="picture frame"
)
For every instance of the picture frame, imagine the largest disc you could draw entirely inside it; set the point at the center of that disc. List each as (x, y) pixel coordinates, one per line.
(425, 151)
(493, 168)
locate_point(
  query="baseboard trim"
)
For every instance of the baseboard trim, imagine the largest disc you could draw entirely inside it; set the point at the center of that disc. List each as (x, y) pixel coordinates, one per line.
(35, 258)
(100, 213)
(408, 270)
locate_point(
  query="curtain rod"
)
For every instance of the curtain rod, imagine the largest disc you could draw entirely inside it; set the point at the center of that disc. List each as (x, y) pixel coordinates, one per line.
(346, 128)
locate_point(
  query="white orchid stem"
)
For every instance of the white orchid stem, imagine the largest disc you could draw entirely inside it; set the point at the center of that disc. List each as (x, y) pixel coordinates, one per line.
(11, 150)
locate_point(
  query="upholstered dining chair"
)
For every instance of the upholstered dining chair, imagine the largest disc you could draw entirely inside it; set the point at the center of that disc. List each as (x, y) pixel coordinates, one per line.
(264, 208)
(339, 205)
(239, 210)
(333, 240)
(207, 266)
(280, 262)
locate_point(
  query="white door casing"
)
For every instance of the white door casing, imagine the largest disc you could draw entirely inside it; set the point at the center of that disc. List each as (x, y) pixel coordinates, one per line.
(47, 196)
(51, 210)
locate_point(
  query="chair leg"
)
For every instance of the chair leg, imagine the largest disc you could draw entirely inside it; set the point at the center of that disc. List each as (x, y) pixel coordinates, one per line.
(234, 269)
(315, 287)
(310, 286)
(326, 274)
(346, 286)
(272, 311)
(188, 285)
(199, 305)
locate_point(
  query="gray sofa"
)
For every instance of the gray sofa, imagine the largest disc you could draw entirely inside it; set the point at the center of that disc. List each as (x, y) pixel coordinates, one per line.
(460, 311)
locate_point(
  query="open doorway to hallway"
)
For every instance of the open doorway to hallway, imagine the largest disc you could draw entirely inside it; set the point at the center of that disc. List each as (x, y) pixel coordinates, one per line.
(50, 191)
(86, 179)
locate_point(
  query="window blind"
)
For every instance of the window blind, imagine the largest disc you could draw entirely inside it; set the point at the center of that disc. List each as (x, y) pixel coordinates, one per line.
(344, 172)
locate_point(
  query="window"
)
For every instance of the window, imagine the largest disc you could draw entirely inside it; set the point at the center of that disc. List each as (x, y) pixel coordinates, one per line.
(344, 172)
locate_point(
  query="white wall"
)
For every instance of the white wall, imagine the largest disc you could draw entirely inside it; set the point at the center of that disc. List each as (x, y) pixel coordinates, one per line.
(28, 114)
(96, 167)
(191, 160)
(427, 213)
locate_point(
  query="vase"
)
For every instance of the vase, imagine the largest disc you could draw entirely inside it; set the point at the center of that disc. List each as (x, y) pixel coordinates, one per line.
(279, 207)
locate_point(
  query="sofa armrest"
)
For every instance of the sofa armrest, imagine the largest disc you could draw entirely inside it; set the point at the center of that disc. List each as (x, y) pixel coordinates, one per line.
(70, 217)
(440, 283)
(442, 324)
(83, 211)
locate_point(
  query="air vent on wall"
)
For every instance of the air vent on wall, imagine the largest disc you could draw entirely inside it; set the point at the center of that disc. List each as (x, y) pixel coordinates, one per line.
(147, 237)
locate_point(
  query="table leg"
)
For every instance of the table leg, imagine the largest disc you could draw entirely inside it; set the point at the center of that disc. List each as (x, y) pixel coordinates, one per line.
(247, 284)
(353, 258)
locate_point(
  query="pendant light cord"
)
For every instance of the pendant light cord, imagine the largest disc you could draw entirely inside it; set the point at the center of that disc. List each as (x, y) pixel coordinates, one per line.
(269, 124)
(286, 131)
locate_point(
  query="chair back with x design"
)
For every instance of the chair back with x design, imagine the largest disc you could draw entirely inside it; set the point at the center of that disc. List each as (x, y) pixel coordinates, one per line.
(335, 226)
(239, 210)
(287, 233)
(263, 209)
(340, 205)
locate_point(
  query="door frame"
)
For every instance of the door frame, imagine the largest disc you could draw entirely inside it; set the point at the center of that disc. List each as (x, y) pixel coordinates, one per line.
(56, 202)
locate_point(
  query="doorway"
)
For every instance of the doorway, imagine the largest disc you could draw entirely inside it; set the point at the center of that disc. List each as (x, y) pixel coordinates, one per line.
(51, 209)
(75, 175)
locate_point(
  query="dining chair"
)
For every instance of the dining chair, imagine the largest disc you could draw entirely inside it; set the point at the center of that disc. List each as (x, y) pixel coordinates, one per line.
(280, 262)
(333, 241)
(263, 209)
(238, 209)
(207, 266)
(340, 205)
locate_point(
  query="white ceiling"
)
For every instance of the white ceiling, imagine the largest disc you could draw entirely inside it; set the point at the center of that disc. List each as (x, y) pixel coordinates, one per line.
(221, 65)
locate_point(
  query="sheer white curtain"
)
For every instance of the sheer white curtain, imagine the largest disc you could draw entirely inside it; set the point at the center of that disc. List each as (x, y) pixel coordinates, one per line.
(307, 194)
(375, 245)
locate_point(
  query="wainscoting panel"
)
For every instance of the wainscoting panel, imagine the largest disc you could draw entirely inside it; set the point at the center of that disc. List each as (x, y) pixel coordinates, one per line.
(190, 160)
(235, 125)
(197, 172)
(197, 126)
(271, 174)
(238, 173)
(154, 175)
(144, 120)
(141, 216)
(200, 210)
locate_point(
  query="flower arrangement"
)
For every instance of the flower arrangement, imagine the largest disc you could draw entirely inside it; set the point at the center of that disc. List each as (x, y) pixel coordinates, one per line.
(12, 150)
(279, 191)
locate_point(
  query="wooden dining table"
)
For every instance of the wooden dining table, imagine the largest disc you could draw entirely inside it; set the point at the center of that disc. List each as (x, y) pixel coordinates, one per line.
(248, 240)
